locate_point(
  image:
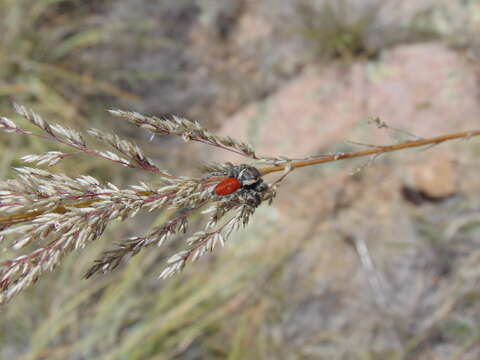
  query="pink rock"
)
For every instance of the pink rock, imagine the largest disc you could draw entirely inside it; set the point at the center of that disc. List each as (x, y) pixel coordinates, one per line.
(426, 89)
(302, 117)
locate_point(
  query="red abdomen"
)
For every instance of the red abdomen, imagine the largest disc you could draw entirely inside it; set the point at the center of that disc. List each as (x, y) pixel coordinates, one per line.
(227, 186)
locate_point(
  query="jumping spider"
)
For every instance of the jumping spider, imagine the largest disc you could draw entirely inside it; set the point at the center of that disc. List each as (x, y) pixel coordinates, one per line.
(245, 181)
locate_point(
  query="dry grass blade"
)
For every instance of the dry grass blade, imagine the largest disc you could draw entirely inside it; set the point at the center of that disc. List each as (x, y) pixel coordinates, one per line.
(55, 214)
(187, 130)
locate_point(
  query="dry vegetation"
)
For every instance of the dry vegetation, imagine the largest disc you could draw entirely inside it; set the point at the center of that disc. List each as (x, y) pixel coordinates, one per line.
(369, 276)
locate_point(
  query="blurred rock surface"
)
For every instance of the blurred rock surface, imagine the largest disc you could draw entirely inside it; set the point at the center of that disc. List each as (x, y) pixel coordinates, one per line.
(427, 89)
(370, 258)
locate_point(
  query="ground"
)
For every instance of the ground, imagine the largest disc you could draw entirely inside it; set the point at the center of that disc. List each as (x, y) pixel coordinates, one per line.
(353, 260)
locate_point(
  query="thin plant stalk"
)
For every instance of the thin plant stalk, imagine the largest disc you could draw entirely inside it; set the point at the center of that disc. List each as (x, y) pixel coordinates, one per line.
(372, 151)
(281, 167)
(59, 214)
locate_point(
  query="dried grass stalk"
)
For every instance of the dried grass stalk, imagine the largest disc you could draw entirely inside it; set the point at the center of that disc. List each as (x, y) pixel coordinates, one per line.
(57, 214)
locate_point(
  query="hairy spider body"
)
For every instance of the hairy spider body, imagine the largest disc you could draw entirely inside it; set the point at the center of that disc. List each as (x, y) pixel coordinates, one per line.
(244, 180)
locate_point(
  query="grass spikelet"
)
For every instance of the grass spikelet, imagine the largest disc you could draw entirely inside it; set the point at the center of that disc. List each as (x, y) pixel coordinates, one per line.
(49, 215)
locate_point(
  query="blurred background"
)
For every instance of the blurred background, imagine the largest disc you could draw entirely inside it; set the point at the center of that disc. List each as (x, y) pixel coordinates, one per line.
(350, 262)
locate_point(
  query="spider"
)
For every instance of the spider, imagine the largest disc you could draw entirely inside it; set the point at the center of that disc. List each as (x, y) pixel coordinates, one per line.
(246, 181)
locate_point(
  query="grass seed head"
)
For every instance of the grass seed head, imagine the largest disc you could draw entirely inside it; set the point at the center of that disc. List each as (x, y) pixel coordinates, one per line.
(57, 214)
